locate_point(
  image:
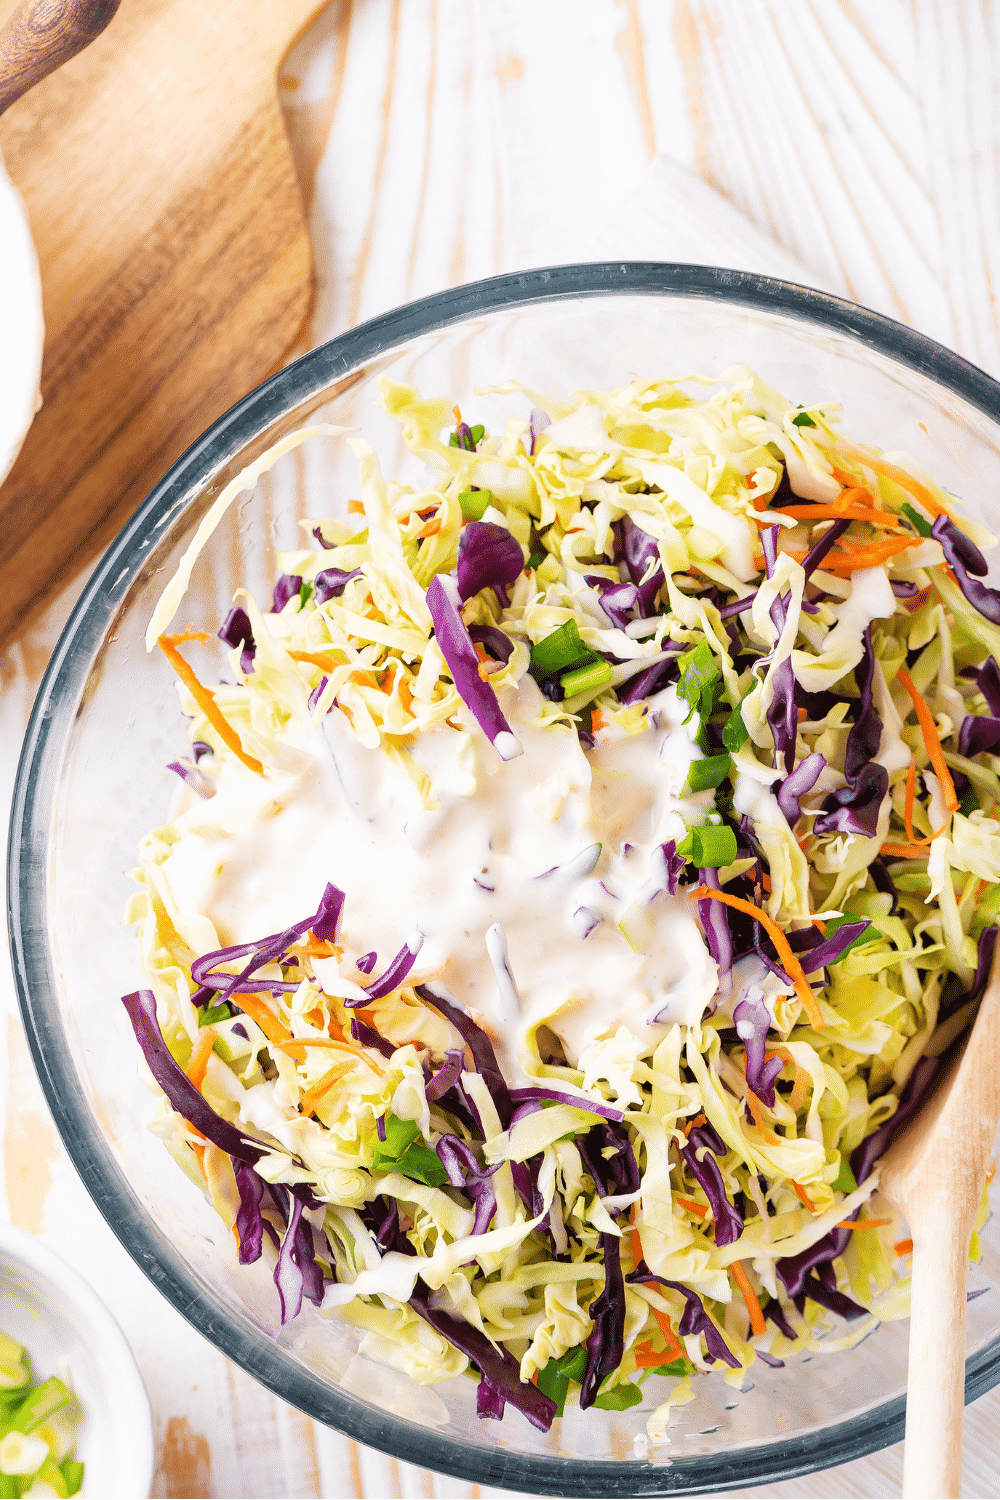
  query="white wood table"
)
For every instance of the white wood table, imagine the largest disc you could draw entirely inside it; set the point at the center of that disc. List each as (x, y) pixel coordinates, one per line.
(444, 140)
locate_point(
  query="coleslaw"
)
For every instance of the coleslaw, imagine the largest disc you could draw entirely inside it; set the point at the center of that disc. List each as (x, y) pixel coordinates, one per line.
(578, 886)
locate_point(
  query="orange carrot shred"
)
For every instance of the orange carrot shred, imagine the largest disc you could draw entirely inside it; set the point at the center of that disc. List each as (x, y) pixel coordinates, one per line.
(325, 660)
(838, 512)
(786, 957)
(929, 731)
(700, 1209)
(431, 529)
(198, 1066)
(903, 479)
(667, 1329)
(312, 1096)
(862, 1223)
(355, 508)
(904, 1247)
(749, 1297)
(804, 1197)
(205, 700)
(260, 1013)
(299, 1044)
(759, 1121)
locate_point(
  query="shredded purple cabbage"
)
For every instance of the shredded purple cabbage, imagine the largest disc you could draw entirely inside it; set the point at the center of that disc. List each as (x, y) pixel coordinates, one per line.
(317, 693)
(488, 557)
(446, 1076)
(652, 679)
(618, 600)
(641, 550)
(535, 1094)
(317, 532)
(964, 557)
(489, 1400)
(769, 541)
(392, 978)
(464, 1171)
(296, 1273)
(236, 631)
(673, 864)
(988, 683)
(855, 808)
(979, 732)
(497, 642)
(715, 923)
(864, 1157)
(813, 558)
(498, 1365)
(199, 783)
(265, 951)
(702, 1142)
(827, 950)
(769, 1359)
(608, 1155)
(478, 1044)
(369, 1037)
(606, 1344)
(883, 881)
(331, 583)
(694, 1319)
(326, 922)
(728, 611)
(286, 588)
(463, 664)
(903, 588)
(367, 962)
(249, 1220)
(800, 781)
(753, 1022)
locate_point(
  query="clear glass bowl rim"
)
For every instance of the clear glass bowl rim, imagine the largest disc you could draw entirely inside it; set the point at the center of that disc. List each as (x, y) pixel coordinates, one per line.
(31, 820)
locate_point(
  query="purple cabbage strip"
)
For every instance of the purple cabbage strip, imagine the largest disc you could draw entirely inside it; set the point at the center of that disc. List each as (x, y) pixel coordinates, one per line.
(463, 432)
(640, 550)
(369, 1037)
(883, 881)
(979, 732)
(614, 1173)
(464, 1171)
(769, 1359)
(200, 749)
(367, 962)
(651, 680)
(817, 1287)
(753, 1022)
(537, 423)
(737, 607)
(498, 1365)
(331, 583)
(317, 693)
(828, 950)
(776, 1313)
(446, 1076)
(694, 1318)
(903, 588)
(988, 683)
(488, 557)
(964, 557)
(813, 558)
(286, 588)
(198, 783)
(181, 1092)
(673, 864)
(715, 922)
(698, 1154)
(606, 1344)
(267, 950)
(800, 781)
(618, 600)
(327, 920)
(236, 631)
(497, 642)
(317, 532)
(535, 1094)
(489, 1400)
(249, 1220)
(769, 541)
(985, 948)
(855, 808)
(287, 1273)
(864, 1157)
(463, 664)
(479, 1045)
(391, 979)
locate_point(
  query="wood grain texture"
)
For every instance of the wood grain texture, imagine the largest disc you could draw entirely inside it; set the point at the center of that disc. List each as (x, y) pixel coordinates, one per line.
(40, 35)
(440, 140)
(175, 262)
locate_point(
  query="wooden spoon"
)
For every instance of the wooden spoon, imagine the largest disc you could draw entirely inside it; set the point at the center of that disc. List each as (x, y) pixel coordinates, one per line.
(934, 1173)
(40, 35)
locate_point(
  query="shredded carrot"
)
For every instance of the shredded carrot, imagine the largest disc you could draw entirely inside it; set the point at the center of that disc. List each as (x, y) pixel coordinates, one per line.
(647, 1358)
(759, 1121)
(261, 1014)
(364, 679)
(597, 720)
(903, 479)
(431, 529)
(315, 947)
(929, 731)
(667, 1329)
(311, 1097)
(911, 786)
(861, 1223)
(765, 881)
(797, 1097)
(457, 414)
(700, 1209)
(749, 1297)
(355, 508)
(204, 698)
(804, 1197)
(325, 660)
(199, 1152)
(690, 1125)
(838, 512)
(786, 957)
(405, 696)
(905, 1247)
(299, 1044)
(198, 1066)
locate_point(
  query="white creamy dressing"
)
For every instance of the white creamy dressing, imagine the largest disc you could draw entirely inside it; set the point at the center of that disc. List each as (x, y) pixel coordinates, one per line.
(512, 845)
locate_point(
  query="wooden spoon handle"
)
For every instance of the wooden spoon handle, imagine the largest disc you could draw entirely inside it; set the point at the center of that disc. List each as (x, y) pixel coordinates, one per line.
(932, 1458)
(40, 35)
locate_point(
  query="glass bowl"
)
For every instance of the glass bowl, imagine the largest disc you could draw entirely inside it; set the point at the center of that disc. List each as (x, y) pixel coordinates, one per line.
(93, 779)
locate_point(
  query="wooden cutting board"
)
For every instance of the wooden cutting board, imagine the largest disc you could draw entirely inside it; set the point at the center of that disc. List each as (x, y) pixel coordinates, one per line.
(175, 262)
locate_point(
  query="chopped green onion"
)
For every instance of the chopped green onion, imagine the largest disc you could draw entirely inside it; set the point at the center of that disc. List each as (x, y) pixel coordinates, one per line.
(536, 559)
(619, 1399)
(475, 503)
(305, 594)
(209, 1015)
(921, 525)
(709, 847)
(870, 934)
(709, 772)
(72, 1474)
(969, 803)
(554, 1378)
(400, 1152)
(39, 1406)
(560, 651)
(699, 675)
(592, 678)
(679, 1367)
(803, 419)
(734, 732)
(845, 1181)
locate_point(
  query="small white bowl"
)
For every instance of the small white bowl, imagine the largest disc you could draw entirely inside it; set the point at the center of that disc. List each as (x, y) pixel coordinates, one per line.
(21, 329)
(49, 1308)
